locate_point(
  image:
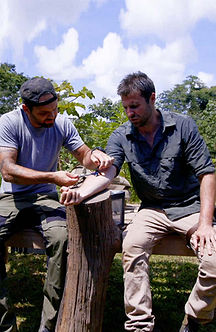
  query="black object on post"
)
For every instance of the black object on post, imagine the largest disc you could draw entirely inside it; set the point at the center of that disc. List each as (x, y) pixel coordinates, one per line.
(118, 204)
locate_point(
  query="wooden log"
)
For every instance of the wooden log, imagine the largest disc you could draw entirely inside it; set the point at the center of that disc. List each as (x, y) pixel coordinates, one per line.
(93, 241)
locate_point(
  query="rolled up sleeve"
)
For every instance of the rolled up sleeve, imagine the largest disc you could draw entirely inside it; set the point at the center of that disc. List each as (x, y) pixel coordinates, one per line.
(114, 149)
(196, 151)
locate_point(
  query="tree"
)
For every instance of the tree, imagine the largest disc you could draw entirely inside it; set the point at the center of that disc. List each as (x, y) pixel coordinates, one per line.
(106, 116)
(206, 124)
(106, 109)
(68, 98)
(68, 102)
(192, 97)
(10, 83)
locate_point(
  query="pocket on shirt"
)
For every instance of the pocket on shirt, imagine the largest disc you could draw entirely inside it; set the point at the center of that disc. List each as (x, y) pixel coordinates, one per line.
(171, 169)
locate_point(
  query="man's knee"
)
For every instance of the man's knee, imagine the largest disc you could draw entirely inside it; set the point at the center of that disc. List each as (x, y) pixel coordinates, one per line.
(207, 268)
(136, 243)
(57, 235)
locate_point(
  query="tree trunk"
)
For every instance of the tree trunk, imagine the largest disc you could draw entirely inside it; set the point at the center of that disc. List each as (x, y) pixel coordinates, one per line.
(93, 241)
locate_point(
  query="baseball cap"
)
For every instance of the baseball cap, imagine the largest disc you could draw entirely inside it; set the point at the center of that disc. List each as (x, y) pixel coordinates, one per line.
(32, 90)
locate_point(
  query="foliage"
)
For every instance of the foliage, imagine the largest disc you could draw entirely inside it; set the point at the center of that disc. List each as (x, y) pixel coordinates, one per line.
(10, 83)
(184, 98)
(171, 279)
(103, 127)
(68, 98)
(94, 130)
(192, 97)
(206, 123)
(107, 109)
(68, 102)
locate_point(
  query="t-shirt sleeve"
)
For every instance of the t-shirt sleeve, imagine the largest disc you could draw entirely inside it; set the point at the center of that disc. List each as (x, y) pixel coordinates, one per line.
(72, 140)
(8, 136)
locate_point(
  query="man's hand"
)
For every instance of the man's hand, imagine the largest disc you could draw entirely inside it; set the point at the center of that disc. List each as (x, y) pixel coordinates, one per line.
(204, 237)
(93, 159)
(70, 196)
(92, 185)
(63, 178)
(101, 160)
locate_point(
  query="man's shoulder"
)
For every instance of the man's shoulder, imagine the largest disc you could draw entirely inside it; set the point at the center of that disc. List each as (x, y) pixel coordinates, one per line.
(10, 114)
(175, 118)
(11, 117)
(62, 120)
(173, 114)
(123, 128)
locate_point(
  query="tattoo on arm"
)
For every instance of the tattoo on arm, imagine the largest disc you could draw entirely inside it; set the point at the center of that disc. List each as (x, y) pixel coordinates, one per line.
(7, 155)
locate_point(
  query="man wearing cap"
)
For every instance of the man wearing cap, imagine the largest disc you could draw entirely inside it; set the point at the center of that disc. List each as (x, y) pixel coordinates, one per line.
(30, 142)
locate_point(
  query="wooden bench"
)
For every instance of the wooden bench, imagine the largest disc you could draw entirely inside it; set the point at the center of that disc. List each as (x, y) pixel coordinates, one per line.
(173, 244)
(27, 238)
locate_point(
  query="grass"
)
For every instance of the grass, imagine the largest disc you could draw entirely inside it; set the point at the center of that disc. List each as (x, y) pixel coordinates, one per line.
(26, 274)
(172, 279)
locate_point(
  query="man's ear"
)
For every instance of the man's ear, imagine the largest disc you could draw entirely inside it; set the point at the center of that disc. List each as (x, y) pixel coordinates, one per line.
(153, 97)
(25, 108)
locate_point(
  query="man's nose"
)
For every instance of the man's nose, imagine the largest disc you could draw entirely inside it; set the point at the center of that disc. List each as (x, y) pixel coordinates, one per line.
(52, 115)
(129, 112)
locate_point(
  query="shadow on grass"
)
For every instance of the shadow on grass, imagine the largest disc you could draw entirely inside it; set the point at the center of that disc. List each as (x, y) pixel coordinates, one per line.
(172, 279)
(26, 275)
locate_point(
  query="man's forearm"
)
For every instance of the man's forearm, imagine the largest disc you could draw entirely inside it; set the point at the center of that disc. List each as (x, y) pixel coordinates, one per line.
(207, 198)
(204, 237)
(25, 176)
(91, 185)
(94, 184)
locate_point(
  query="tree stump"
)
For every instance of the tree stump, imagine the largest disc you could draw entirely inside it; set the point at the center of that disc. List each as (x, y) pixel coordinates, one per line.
(93, 241)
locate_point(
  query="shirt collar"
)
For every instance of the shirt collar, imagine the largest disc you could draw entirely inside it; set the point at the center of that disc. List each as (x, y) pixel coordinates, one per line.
(167, 121)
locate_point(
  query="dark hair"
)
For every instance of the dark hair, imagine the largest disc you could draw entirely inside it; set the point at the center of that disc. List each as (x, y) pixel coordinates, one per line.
(136, 82)
(29, 105)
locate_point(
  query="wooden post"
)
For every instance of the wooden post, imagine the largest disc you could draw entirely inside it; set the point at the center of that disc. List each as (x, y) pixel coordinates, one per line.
(93, 241)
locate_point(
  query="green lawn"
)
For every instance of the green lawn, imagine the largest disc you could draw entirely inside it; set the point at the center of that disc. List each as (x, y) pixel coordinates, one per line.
(171, 279)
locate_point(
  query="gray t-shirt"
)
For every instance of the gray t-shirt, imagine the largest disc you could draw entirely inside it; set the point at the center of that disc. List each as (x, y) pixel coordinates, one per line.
(38, 148)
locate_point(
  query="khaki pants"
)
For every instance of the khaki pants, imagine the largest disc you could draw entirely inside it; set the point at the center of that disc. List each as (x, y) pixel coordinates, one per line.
(148, 227)
(45, 214)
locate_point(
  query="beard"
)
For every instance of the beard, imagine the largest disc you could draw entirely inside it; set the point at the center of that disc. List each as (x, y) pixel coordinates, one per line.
(47, 125)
